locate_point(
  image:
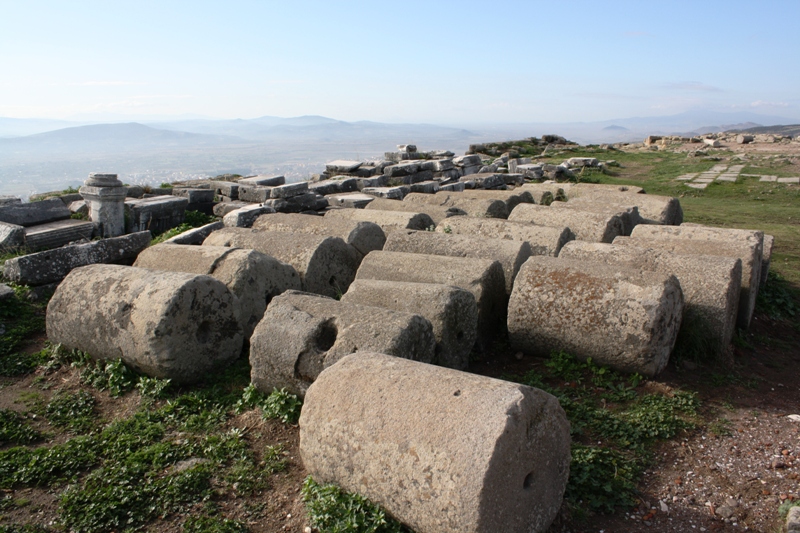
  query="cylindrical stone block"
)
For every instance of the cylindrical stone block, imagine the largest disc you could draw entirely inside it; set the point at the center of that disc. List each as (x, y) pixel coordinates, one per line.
(301, 334)
(474, 207)
(105, 196)
(629, 214)
(545, 193)
(511, 254)
(766, 258)
(437, 213)
(387, 220)
(511, 198)
(254, 278)
(164, 324)
(452, 312)
(746, 245)
(406, 436)
(710, 284)
(586, 226)
(363, 236)
(543, 240)
(620, 317)
(654, 209)
(326, 265)
(484, 278)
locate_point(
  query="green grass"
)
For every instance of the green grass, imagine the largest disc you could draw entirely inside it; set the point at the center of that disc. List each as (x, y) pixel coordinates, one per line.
(191, 219)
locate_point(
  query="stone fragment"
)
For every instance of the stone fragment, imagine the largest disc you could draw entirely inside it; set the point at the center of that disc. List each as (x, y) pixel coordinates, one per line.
(437, 165)
(467, 160)
(545, 193)
(256, 194)
(334, 186)
(474, 207)
(543, 240)
(164, 324)
(157, 214)
(511, 198)
(746, 245)
(585, 226)
(387, 220)
(12, 237)
(363, 236)
(710, 284)
(59, 233)
(628, 213)
(342, 167)
(263, 181)
(6, 292)
(427, 187)
(654, 209)
(621, 317)
(52, 266)
(301, 334)
(793, 520)
(195, 236)
(245, 216)
(484, 278)
(254, 278)
(452, 312)
(289, 190)
(8, 200)
(33, 213)
(392, 193)
(229, 189)
(352, 200)
(766, 257)
(195, 196)
(713, 143)
(79, 207)
(437, 213)
(484, 180)
(453, 187)
(326, 265)
(510, 254)
(404, 435)
(789, 181)
(223, 208)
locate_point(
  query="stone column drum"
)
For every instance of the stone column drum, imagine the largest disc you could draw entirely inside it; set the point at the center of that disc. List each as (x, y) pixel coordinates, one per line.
(105, 195)
(441, 450)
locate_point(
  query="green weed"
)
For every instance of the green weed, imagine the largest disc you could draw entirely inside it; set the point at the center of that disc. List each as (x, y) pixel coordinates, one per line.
(601, 478)
(213, 524)
(777, 299)
(112, 376)
(72, 410)
(15, 430)
(279, 404)
(333, 510)
(152, 388)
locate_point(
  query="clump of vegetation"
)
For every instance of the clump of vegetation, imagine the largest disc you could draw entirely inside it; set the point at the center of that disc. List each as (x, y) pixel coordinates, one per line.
(191, 219)
(777, 299)
(613, 426)
(333, 510)
(72, 410)
(14, 429)
(112, 376)
(213, 524)
(279, 404)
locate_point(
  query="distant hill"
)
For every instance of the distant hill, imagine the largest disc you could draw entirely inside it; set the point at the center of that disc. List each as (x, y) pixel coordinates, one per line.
(614, 127)
(790, 130)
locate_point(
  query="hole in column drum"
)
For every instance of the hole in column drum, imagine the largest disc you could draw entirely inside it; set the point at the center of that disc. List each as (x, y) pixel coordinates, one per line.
(528, 483)
(203, 334)
(327, 337)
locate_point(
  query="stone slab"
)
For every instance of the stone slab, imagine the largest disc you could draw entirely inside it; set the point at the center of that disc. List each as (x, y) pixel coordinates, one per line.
(263, 180)
(33, 213)
(195, 236)
(55, 234)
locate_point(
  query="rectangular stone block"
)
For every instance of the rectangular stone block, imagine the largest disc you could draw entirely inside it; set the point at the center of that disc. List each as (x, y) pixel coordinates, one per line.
(156, 214)
(342, 166)
(263, 180)
(486, 180)
(350, 200)
(12, 236)
(254, 193)
(392, 193)
(195, 196)
(226, 188)
(33, 213)
(426, 187)
(55, 234)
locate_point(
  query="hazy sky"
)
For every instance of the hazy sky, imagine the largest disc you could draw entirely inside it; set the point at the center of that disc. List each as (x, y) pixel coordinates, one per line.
(442, 62)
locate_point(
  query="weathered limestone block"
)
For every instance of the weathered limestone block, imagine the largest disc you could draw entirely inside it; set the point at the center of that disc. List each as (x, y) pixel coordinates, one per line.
(164, 324)
(52, 266)
(363, 236)
(387, 220)
(392, 193)
(301, 334)
(12, 236)
(543, 240)
(289, 190)
(629, 214)
(653, 208)
(105, 195)
(157, 214)
(586, 226)
(263, 180)
(59, 233)
(621, 317)
(327, 265)
(510, 254)
(452, 312)
(483, 180)
(253, 277)
(195, 236)
(710, 284)
(195, 196)
(257, 194)
(474, 207)
(404, 435)
(245, 216)
(341, 166)
(511, 198)
(8, 200)
(334, 186)
(350, 200)
(769, 242)
(426, 187)
(746, 245)
(484, 278)
(34, 213)
(229, 189)
(573, 190)
(545, 193)
(223, 208)
(437, 213)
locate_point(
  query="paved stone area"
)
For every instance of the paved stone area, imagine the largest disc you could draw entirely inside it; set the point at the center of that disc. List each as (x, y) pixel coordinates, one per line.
(728, 174)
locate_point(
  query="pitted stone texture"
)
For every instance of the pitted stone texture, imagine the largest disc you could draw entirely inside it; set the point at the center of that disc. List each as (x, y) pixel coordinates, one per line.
(326, 265)
(387, 220)
(654, 209)
(710, 284)
(483, 180)
(628, 213)
(195, 235)
(156, 214)
(59, 233)
(302, 334)
(34, 213)
(12, 236)
(263, 181)
(52, 266)
(245, 216)
(620, 317)
(769, 242)
(511, 198)
(164, 324)
(484, 278)
(253, 277)
(363, 236)
(586, 226)
(452, 312)
(8, 200)
(474, 207)
(545, 193)
(105, 195)
(543, 240)
(404, 435)
(437, 213)
(574, 190)
(746, 245)
(793, 520)
(510, 254)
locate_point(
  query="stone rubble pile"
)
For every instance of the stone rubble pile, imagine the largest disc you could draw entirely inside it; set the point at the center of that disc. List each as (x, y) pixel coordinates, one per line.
(375, 310)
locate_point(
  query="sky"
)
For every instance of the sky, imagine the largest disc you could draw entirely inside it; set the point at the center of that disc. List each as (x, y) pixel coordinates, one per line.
(442, 62)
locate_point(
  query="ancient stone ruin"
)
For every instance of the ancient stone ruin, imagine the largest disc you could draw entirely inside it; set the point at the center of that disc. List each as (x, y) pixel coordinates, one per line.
(372, 288)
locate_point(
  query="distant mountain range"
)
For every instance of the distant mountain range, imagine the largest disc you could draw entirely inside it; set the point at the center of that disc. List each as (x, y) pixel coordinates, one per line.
(42, 154)
(792, 130)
